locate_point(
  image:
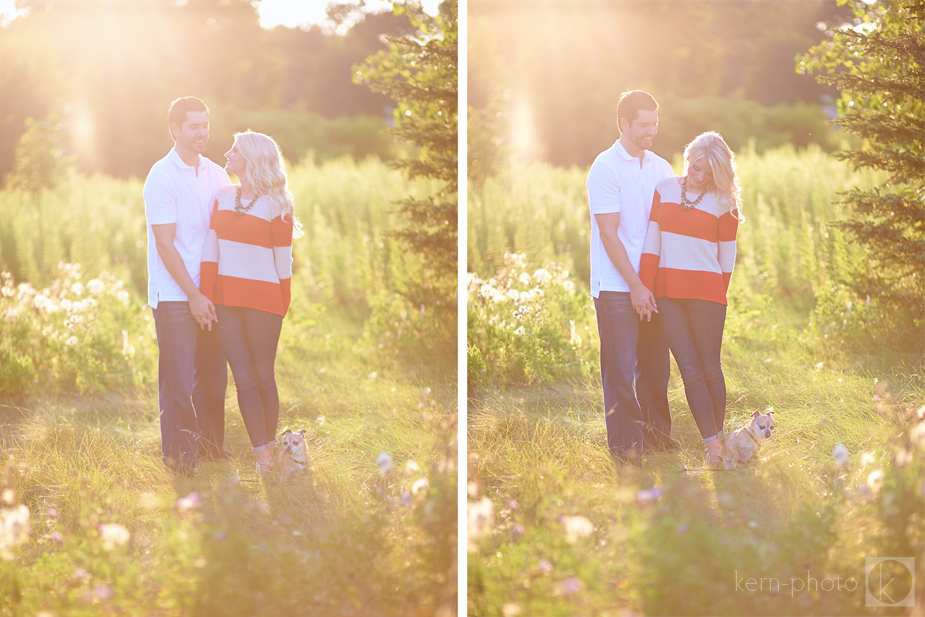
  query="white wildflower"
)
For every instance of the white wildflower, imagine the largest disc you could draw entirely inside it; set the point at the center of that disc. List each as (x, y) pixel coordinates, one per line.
(875, 480)
(524, 278)
(113, 535)
(418, 486)
(840, 453)
(71, 342)
(576, 527)
(384, 462)
(14, 529)
(480, 520)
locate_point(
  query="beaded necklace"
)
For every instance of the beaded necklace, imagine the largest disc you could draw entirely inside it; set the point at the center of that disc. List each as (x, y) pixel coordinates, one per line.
(242, 210)
(687, 205)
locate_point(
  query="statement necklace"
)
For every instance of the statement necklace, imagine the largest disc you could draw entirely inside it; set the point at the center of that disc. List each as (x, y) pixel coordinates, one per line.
(241, 210)
(687, 205)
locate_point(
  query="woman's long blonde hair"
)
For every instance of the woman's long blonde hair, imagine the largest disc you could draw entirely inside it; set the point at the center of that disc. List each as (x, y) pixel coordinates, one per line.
(266, 172)
(711, 147)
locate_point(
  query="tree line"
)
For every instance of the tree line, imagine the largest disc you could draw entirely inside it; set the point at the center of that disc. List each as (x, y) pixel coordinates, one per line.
(104, 73)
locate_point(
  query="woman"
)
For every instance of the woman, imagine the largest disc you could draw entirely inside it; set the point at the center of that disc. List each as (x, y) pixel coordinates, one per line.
(687, 263)
(246, 272)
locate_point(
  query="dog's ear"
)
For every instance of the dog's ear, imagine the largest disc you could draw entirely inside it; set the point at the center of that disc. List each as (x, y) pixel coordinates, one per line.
(756, 413)
(770, 412)
(302, 431)
(287, 431)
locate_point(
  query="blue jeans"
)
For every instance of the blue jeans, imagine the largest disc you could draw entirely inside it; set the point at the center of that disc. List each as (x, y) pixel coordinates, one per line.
(250, 338)
(634, 372)
(192, 376)
(694, 329)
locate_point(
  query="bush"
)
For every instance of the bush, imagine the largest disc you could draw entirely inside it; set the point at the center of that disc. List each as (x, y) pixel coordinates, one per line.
(528, 327)
(73, 335)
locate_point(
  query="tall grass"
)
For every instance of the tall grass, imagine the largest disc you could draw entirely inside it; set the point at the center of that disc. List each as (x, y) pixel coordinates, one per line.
(786, 249)
(556, 529)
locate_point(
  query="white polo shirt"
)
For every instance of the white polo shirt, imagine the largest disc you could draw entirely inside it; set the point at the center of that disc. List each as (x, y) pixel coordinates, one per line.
(617, 183)
(175, 193)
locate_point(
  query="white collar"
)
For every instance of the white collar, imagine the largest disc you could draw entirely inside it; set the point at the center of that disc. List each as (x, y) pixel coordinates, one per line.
(619, 149)
(175, 157)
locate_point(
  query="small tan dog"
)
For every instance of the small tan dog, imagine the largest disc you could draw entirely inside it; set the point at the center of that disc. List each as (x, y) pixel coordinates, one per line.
(742, 444)
(292, 456)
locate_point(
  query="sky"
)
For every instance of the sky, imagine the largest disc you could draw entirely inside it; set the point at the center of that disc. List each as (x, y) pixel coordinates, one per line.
(289, 13)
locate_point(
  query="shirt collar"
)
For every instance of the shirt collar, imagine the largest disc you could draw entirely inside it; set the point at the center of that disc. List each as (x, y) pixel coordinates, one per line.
(619, 149)
(175, 157)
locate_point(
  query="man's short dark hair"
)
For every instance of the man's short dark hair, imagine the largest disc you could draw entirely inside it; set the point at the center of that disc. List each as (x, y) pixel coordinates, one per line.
(180, 107)
(631, 102)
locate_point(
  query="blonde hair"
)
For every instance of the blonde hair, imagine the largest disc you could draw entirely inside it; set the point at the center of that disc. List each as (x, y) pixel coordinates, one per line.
(266, 172)
(711, 147)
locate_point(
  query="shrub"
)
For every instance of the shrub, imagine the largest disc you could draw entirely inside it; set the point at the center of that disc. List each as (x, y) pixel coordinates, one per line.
(528, 325)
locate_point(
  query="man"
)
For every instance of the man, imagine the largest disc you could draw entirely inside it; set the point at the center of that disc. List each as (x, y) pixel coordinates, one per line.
(621, 186)
(192, 373)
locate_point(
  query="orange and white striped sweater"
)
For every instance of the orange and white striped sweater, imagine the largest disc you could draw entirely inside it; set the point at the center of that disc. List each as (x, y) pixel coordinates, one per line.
(688, 254)
(247, 260)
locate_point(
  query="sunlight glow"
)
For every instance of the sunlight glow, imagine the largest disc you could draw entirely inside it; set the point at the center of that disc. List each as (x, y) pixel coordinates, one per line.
(312, 12)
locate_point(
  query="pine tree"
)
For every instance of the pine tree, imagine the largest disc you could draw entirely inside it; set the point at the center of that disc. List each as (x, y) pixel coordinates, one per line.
(420, 74)
(878, 64)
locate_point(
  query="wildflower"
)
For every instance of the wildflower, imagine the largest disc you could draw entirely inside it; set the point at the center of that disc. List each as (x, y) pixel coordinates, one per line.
(189, 502)
(405, 499)
(52, 513)
(480, 517)
(566, 587)
(411, 467)
(220, 536)
(542, 276)
(71, 342)
(96, 287)
(513, 505)
(518, 530)
(57, 538)
(875, 480)
(14, 529)
(866, 459)
(524, 278)
(472, 488)
(918, 435)
(384, 462)
(841, 454)
(545, 566)
(510, 610)
(520, 331)
(683, 528)
(650, 494)
(8, 496)
(113, 535)
(576, 527)
(419, 485)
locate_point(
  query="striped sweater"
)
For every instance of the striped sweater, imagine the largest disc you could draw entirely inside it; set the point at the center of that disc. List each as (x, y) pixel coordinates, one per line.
(688, 253)
(247, 260)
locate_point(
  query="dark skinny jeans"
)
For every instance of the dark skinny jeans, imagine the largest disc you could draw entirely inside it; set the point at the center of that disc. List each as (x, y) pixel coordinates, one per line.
(694, 329)
(250, 338)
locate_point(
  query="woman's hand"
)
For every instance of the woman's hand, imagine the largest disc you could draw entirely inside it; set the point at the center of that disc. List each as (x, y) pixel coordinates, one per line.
(643, 302)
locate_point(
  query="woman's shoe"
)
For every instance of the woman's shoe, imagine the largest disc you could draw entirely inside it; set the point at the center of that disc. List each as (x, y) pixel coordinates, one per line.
(713, 460)
(265, 468)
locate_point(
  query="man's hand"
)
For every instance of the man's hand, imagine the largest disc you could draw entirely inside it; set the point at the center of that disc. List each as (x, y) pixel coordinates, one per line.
(203, 311)
(643, 302)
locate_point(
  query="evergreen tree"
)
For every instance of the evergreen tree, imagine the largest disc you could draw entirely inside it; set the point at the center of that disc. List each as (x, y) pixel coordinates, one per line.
(40, 161)
(878, 64)
(420, 73)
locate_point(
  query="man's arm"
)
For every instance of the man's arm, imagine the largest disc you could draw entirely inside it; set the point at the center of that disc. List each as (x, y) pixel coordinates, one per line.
(201, 308)
(643, 300)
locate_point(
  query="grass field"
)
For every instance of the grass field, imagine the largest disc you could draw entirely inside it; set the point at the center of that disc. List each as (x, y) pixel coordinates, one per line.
(556, 529)
(90, 521)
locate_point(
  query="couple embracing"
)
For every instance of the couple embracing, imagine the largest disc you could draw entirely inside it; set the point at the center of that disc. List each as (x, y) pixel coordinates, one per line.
(662, 253)
(219, 271)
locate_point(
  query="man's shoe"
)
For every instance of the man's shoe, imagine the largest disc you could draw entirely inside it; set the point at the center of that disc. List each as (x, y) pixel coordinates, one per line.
(661, 444)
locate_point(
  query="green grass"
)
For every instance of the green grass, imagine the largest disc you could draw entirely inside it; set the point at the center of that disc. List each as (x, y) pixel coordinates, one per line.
(80, 439)
(537, 454)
